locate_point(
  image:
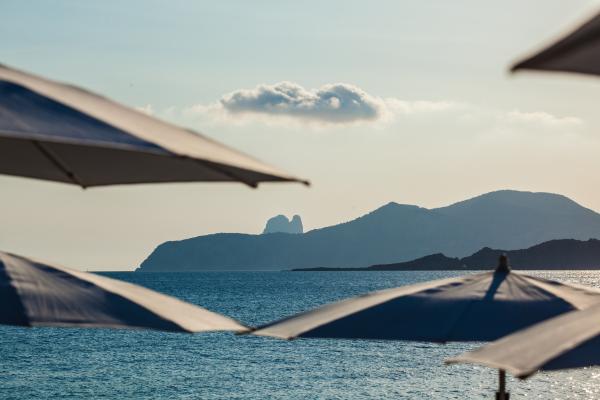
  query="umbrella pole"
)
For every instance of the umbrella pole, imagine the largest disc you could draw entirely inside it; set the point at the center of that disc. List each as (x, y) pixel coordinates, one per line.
(502, 394)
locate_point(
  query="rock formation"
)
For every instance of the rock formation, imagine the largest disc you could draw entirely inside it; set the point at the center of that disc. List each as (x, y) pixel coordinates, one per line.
(280, 223)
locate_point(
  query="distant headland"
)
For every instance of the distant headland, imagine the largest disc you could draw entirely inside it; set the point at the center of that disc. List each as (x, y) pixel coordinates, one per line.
(393, 233)
(551, 255)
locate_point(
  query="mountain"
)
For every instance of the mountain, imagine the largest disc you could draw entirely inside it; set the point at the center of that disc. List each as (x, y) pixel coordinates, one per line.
(554, 254)
(433, 262)
(393, 233)
(280, 223)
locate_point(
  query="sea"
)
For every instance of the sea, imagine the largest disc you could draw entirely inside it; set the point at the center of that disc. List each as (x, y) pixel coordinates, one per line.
(60, 363)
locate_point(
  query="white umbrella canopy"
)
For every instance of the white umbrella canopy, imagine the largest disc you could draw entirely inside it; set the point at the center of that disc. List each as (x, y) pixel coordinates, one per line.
(34, 293)
(58, 132)
(477, 307)
(578, 51)
(571, 340)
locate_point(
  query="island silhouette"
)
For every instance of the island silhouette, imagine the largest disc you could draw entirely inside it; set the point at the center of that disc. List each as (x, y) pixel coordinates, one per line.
(554, 254)
(393, 233)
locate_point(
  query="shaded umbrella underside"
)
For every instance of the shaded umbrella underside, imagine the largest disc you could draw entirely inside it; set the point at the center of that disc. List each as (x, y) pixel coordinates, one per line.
(474, 308)
(89, 166)
(61, 120)
(36, 294)
(578, 52)
(567, 341)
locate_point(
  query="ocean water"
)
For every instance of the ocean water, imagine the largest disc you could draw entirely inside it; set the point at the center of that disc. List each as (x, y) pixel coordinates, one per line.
(58, 363)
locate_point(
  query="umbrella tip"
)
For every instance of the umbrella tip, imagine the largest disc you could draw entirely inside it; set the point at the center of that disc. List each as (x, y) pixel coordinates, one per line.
(503, 265)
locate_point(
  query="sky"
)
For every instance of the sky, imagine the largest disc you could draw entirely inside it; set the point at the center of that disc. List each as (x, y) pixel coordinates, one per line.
(372, 102)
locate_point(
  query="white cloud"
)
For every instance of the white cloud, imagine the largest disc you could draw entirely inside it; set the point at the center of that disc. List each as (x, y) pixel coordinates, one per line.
(331, 103)
(338, 103)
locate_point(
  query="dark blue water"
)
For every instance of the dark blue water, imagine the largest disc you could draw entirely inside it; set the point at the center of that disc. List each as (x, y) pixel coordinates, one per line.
(55, 363)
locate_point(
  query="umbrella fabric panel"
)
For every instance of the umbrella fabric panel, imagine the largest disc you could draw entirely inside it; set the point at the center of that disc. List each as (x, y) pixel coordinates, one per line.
(294, 326)
(472, 308)
(578, 51)
(166, 136)
(188, 316)
(435, 320)
(11, 308)
(580, 296)
(96, 166)
(53, 297)
(57, 296)
(475, 310)
(586, 354)
(25, 158)
(497, 286)
(567, 341)
(27, 115)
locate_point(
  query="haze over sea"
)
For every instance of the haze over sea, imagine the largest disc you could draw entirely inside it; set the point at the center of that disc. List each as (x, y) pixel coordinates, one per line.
(78, 363)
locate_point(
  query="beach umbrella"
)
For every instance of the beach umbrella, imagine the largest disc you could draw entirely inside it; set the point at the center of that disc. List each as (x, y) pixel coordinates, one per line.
(58, 132)
(477, 307)
(34, 293)
(578, 51)
(571, 340)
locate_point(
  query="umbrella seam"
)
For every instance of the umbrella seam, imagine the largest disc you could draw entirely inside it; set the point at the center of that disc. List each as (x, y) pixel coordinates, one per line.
(458, 318)
(541, 286)
(214, 167)
(58, 163)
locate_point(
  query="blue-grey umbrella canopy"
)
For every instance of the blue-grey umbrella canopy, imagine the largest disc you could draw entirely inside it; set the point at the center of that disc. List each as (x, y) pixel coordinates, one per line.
(478, 307)
(33, 293)
(571, 340)
(578, 51)
(58, 132)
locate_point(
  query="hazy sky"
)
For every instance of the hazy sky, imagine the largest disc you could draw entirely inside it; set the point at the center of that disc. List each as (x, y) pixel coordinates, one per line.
(377, 101)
